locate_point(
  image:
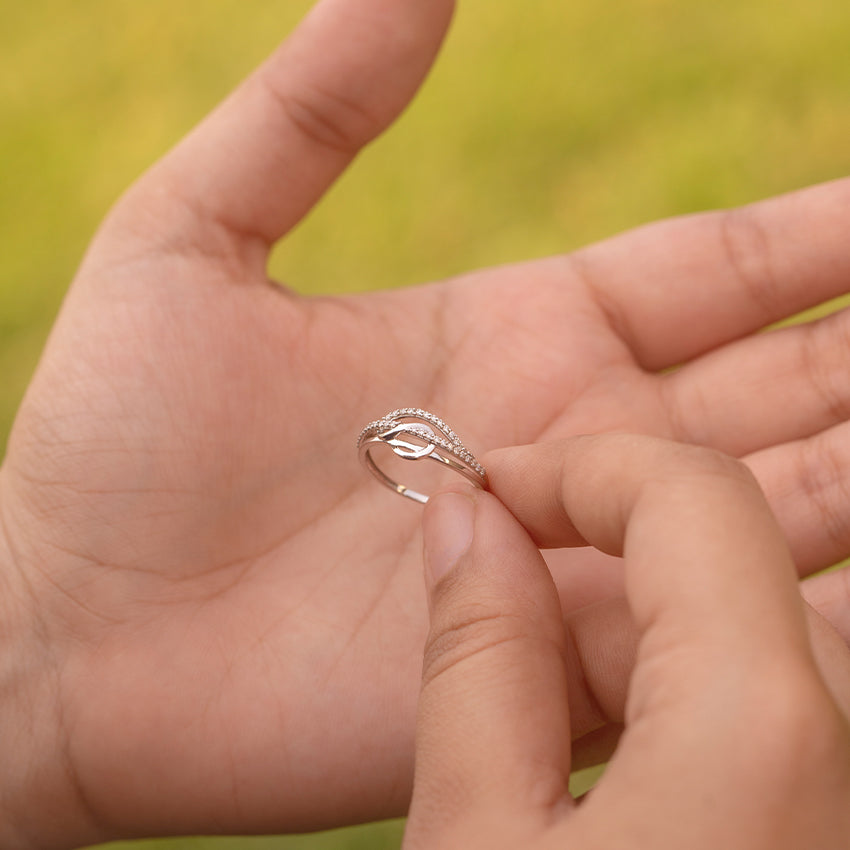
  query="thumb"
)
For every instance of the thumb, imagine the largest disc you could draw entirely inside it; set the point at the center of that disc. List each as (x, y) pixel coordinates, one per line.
(260, 161)
(493, 729)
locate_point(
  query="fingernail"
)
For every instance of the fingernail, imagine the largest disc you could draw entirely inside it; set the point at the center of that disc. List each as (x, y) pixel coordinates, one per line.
(447, 528)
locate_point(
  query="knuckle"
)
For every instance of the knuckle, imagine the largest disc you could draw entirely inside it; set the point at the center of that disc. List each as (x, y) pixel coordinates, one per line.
(687, 406)
(468, 633)
(705, 461)
(822, 479)
(698, 463)
(824, 357)
(583, 266)
(746, 246)
(325, 118)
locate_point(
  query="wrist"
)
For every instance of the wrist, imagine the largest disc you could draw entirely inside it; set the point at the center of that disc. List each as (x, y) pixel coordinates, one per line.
(40, 803)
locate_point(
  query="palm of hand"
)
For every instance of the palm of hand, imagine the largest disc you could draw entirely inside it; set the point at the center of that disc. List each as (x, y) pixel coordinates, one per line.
(243, 600)
(229, 574)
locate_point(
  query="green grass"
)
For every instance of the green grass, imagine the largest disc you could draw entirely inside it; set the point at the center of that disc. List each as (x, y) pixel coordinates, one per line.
(384, 836)
(547, 124)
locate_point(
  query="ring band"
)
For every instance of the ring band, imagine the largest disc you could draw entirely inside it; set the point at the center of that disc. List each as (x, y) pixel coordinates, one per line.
(415, 434)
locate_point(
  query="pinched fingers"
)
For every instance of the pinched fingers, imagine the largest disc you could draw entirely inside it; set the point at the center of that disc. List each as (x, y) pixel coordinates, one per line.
(726, 697)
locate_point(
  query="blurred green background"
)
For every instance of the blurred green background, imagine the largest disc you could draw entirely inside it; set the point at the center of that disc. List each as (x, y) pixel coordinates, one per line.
(547, 124)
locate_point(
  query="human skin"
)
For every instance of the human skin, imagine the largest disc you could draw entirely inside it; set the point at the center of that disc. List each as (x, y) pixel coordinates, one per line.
(736, 735)
(212, 618)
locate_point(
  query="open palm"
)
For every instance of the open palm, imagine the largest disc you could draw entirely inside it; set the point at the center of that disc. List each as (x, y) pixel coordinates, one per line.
(234, 608)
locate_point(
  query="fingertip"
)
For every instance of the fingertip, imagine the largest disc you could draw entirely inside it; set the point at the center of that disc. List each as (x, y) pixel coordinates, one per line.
(526, 479)
(448, 527)
(475, 548)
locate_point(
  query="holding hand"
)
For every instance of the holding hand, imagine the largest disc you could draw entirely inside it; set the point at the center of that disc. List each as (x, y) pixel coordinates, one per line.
(735, 736)
(213, 609)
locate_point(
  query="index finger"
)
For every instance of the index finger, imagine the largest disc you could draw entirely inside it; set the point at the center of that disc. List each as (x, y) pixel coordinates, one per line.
(705, 558)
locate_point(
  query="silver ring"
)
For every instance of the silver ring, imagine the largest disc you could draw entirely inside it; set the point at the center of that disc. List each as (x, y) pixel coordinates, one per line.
(415, 434)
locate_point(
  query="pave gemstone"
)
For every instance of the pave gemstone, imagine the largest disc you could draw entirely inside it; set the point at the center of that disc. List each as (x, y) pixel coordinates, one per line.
(451, 443)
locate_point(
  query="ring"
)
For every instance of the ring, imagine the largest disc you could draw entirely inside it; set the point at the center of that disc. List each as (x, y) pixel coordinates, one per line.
(416, 434)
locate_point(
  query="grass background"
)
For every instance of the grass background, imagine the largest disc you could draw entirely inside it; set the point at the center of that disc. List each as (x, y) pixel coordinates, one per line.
(547, 124)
